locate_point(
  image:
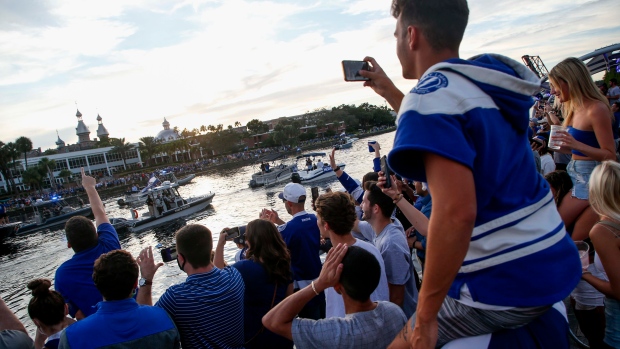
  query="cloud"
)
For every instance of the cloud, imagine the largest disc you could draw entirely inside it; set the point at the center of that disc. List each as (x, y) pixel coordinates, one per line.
(213, 61)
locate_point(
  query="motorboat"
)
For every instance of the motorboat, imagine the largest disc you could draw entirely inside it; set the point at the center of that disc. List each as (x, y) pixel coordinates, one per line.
(269, 175)
(9, 229)
(52, 213)
(174, 207)
(315, 171)
(139, 197)
(345, 143)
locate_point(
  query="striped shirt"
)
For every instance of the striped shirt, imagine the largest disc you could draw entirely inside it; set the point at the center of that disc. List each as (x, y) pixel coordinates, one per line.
(475, 113)
(208, 309)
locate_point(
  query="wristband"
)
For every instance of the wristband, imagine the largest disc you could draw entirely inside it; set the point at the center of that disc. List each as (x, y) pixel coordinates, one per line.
(314, 289)
(337, 169)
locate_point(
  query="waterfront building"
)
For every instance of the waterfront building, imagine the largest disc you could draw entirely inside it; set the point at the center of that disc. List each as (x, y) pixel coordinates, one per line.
(97, 160)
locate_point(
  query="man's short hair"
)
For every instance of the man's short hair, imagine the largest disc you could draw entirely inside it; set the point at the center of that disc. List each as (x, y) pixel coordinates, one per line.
(81, 233)
(442, 22)
(194, 242)
(338, 210)
(360, 273)
(377, 197)
(115, 274)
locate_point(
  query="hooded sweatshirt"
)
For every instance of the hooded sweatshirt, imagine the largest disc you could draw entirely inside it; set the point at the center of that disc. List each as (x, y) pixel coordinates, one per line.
(475, 112)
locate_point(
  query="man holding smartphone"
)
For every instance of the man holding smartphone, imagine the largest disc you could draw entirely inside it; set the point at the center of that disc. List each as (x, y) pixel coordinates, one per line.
(495, 236)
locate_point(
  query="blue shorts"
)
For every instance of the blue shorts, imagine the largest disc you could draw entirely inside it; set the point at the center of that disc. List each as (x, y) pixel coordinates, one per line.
(579, 172)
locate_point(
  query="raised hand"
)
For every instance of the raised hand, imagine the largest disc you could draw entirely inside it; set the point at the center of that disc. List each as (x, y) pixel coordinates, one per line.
(87, 181)
(145, 260)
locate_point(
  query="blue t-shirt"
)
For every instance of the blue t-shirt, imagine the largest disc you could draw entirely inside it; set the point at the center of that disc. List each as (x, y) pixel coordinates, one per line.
(257, 301)
(122, 324)
(207, 309)
(475, 113)
(74, 278)
(303, 238)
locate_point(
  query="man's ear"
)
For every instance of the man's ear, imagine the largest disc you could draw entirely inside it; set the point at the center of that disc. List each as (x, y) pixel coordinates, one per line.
(413, 34)
(68, 244)
(338, 288)
(66, 309)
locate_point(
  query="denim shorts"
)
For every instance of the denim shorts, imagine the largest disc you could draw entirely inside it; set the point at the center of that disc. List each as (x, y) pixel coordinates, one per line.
(579, 172)
(612, 319)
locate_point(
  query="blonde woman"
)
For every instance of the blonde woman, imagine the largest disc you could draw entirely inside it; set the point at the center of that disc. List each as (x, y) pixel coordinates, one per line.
(605, 235)
(589, 138)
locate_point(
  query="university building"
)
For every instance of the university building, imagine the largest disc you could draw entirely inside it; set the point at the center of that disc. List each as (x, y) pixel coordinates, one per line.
(97, 161)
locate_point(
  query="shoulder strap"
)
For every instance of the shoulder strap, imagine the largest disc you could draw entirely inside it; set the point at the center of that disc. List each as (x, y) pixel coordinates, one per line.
(610, 224)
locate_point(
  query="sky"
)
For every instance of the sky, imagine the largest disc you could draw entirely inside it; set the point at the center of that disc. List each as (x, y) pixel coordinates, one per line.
(205, 62)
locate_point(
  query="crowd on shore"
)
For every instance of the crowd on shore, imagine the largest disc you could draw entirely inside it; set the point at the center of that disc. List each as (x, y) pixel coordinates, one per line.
(502, 240)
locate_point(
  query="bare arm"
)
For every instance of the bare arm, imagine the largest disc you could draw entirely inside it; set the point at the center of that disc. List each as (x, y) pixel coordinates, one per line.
(332, 163)
(279, 319)
(382, 85)
(96, 204)
(600, 118)
(449, 233)
(8, 320)
(413, 215)
(148, 268)
(218, 261)
(606, 246)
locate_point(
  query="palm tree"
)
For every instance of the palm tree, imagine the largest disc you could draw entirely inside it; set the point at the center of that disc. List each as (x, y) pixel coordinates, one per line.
(184, 144)
(8, 157)
(24, 145)
(149, 147)
(121, 148)
(203, 129)
(237, 124)
(32, 177)
(46, 166)
(65, 174)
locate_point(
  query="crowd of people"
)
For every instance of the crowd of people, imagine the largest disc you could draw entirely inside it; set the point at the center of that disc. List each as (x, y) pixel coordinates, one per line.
(493, 228)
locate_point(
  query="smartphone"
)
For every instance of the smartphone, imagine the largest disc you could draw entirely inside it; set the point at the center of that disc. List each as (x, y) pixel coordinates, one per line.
(315, 193)
(386, 171)
(169, 254)
(351, 70)
(370, 148)
(232, 233)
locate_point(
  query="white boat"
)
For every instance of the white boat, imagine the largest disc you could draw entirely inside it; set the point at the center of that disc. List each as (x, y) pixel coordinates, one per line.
(139, 198)
(176, 208)
(316, 173)
(345, 143)
(274, 174)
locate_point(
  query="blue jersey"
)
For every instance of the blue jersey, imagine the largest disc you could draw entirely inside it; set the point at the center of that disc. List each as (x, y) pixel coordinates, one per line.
(74, 278)
(122, 324)
(303, 239)
(476, 113)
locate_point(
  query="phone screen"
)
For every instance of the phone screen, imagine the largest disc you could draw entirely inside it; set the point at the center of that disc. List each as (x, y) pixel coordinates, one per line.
(169, 254)
(386, 171)
(351, 70)
(232, 233)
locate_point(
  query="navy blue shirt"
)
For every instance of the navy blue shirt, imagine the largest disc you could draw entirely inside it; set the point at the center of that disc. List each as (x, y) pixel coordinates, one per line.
(257, 301)
(303, 238)
(74, 278)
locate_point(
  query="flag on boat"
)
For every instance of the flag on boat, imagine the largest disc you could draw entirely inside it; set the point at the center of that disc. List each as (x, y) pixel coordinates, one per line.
(152, 183)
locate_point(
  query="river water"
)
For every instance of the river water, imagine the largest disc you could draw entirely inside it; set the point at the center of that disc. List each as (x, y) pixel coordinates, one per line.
(38, 255)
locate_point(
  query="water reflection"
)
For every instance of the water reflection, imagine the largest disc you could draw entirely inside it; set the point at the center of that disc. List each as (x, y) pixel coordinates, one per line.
(38, 255)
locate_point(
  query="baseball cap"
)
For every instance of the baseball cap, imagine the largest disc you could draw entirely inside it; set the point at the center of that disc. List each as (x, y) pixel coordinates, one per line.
(293, 192)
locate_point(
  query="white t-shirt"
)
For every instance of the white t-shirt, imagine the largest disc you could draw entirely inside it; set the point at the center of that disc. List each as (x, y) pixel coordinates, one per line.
(334, 305)
(547, 164)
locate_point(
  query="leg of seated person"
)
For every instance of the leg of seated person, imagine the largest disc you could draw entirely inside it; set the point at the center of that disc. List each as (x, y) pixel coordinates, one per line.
(571, 208)
(584, 224)
(457, 320)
